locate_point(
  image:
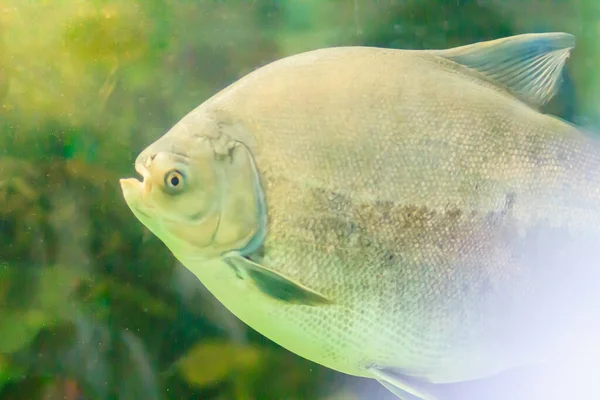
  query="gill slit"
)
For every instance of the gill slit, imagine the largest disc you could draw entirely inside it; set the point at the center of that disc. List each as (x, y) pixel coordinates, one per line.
(220, 201)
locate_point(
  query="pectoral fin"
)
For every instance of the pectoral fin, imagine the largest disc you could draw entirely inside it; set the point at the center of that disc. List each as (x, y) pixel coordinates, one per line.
(274, 284)
(403, 386)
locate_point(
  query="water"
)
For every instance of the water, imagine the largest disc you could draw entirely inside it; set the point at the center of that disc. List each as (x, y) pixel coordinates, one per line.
(92, 306)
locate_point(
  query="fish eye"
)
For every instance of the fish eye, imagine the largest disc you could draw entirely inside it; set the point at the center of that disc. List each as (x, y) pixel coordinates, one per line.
(174, 180)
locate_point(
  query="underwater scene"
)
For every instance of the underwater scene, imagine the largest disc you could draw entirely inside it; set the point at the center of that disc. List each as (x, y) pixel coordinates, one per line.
(299, 199)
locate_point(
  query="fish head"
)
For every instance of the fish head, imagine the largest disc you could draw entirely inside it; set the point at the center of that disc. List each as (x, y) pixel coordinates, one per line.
(199, 194)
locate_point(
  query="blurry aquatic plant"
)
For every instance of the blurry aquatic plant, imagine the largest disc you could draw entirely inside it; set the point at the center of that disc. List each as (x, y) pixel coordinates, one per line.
(107, 37)
(110, 34)
(68, 66)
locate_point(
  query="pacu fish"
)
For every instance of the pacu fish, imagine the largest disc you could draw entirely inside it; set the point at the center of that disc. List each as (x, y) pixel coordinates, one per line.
(405, 215)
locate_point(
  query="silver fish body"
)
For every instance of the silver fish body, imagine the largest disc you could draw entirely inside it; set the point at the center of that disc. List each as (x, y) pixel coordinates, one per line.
(410, 216)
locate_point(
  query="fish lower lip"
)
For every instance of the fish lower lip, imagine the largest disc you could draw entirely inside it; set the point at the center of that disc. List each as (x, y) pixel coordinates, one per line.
(129, 184)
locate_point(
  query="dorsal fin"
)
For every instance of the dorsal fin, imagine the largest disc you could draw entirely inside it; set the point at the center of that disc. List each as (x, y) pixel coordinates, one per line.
(529, 65)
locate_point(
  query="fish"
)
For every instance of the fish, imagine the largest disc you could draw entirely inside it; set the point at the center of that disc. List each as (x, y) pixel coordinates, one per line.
(409, 216)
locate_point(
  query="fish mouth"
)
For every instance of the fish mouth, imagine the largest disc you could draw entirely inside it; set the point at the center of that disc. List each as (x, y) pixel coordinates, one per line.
(130, 187)
(135, 186)
(141, 167)
(134, 189)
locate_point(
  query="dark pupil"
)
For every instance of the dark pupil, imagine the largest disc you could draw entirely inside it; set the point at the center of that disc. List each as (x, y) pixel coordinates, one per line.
(174, 181)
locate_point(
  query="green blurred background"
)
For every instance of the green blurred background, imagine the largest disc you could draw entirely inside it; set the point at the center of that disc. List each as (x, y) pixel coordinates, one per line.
(92, 306)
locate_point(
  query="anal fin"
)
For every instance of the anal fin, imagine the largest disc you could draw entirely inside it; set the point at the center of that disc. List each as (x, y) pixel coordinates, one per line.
(403, 386)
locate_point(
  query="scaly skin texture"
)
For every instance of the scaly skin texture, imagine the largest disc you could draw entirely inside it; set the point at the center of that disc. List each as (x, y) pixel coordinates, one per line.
(454, 228)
